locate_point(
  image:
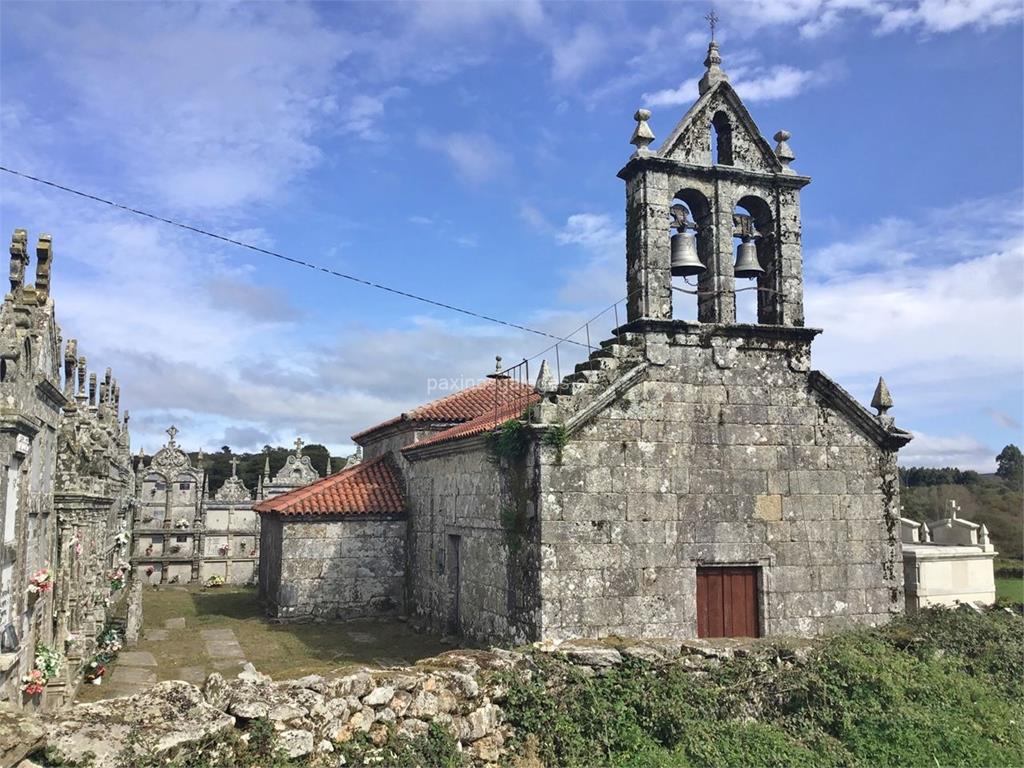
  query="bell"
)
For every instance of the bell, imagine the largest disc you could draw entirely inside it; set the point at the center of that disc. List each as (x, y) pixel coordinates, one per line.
(684, 255)
(747, 264)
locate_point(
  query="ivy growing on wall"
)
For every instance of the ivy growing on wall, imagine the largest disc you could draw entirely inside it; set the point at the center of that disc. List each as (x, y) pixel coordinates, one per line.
(508, 446)
(557, 436)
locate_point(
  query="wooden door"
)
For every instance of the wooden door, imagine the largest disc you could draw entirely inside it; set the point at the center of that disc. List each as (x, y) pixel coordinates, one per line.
(727, 604)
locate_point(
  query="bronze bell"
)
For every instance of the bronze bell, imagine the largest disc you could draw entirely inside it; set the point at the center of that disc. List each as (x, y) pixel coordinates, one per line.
(684, 255)
(747, 264)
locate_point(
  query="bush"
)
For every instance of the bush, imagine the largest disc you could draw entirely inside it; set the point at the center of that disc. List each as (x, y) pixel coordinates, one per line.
(939, 688)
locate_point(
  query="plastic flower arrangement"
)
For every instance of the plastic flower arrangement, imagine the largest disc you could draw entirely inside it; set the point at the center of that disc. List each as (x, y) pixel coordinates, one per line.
(108, 644)
(215, 581)
(94, 672)
(40, 581)
(149, 570)
(116, 579)
(33, 683)
(49, 660)
(223, 549)
(121, 539)
(181, 523)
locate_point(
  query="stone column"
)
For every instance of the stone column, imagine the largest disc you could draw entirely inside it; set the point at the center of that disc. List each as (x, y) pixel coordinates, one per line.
(648, 278)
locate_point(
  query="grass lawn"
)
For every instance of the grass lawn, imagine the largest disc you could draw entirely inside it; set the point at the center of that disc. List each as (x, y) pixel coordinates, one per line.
(1010, 589)
(280, 650)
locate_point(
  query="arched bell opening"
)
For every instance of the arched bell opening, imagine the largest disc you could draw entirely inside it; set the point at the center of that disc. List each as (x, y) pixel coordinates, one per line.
(755, 264)
(721, 139)
(692, 248)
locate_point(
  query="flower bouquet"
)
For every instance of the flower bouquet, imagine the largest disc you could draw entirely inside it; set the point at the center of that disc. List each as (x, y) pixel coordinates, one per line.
(214, 581)
(223, 549)
(116, 579)
(33, 683)
(40, 581)
(94, 672)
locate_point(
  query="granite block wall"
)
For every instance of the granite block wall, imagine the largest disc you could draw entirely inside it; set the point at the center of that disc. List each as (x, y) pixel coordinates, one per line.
(721, 455)
(334, 568)
(456, 497)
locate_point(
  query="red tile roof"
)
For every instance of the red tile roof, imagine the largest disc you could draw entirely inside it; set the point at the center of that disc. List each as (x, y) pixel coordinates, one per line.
(372, 487)
(482, 423)
(463, 405)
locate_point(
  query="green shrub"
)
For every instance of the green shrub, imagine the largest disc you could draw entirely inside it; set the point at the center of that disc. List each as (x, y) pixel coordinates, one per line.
(939, 688)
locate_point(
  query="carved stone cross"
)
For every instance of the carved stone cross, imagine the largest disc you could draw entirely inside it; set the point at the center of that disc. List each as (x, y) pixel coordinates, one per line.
(298, 446)
(234, 467)
(173, 432)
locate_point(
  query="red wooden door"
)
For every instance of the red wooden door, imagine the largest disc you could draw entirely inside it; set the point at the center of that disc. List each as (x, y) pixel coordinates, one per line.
(727, 604)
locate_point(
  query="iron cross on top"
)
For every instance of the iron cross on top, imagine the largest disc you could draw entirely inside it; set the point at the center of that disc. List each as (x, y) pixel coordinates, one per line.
(712, 19)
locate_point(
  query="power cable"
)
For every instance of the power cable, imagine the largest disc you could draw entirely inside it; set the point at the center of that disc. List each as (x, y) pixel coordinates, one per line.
(289, 259)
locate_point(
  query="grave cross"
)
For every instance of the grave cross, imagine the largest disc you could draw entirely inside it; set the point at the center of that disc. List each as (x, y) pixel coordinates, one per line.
(298, 446)
(173, 432)
(234, 466)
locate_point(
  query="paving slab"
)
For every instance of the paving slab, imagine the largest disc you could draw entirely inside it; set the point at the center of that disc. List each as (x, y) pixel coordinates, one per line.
(194, 675)
(136, 659)
(156, 635)
(222, 664)
(136, 675)
(176, 623)
(217, 634)
(362, 637)
(224, 649)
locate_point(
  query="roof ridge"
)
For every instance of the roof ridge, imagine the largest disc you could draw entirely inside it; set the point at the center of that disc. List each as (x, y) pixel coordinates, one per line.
(298, 494)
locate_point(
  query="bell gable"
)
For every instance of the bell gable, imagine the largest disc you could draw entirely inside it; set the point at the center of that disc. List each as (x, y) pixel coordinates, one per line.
(718, 130)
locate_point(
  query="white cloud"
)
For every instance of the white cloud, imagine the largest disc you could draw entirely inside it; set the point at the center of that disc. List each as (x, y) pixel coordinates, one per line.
(476, 156)
(961, 451)
(572, 57)
(815, 18)
(205, 118)
(753, 84)
(364, 114)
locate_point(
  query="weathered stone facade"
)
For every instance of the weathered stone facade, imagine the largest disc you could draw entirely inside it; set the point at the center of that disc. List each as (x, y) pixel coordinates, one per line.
(67, 490)
(690, 478)
(184, 534)
(330, 568)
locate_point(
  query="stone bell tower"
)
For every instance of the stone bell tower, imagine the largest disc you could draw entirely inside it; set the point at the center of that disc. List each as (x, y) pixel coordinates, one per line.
(717, 177)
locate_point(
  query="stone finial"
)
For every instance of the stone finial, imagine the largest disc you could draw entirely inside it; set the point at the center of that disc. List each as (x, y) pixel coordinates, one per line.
(298, 446)
(926, 533)
(127, 418)
(92, 389)
(19, 258)
(497, 363)
(642, 134)
(782, 149)
(70, 363)
(983, 535)
(545, 379)
(327, 469)
(714, 74)
(44, 254)
(172, 432)
(881, 401)
(266, 467)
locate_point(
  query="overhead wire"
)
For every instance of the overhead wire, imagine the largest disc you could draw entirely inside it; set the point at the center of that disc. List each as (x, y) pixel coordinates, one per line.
(289, 259)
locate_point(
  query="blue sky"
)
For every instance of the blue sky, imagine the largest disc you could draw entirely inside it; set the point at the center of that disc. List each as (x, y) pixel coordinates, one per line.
(468, 152)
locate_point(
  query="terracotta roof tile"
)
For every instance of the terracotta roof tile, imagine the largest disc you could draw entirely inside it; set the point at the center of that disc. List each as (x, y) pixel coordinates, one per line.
(482, 423)
(372, 487)
(463, 405)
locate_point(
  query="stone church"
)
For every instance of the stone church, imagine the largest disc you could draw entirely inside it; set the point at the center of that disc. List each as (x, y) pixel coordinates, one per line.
(691, 478)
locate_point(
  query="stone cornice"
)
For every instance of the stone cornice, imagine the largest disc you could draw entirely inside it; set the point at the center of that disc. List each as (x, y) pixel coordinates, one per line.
(890, 438)
(641, 163)
(733, 330)
(17, 422)
(51, 393)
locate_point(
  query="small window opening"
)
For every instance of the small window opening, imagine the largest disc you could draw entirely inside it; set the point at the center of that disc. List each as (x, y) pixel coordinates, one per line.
(721, 139)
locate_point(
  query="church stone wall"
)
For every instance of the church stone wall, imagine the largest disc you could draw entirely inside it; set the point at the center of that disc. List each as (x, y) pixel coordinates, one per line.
(721, 455)
(456, 499)
(335, 568)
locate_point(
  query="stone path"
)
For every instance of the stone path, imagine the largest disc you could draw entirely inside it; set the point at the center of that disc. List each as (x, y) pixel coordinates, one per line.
(135, 671)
